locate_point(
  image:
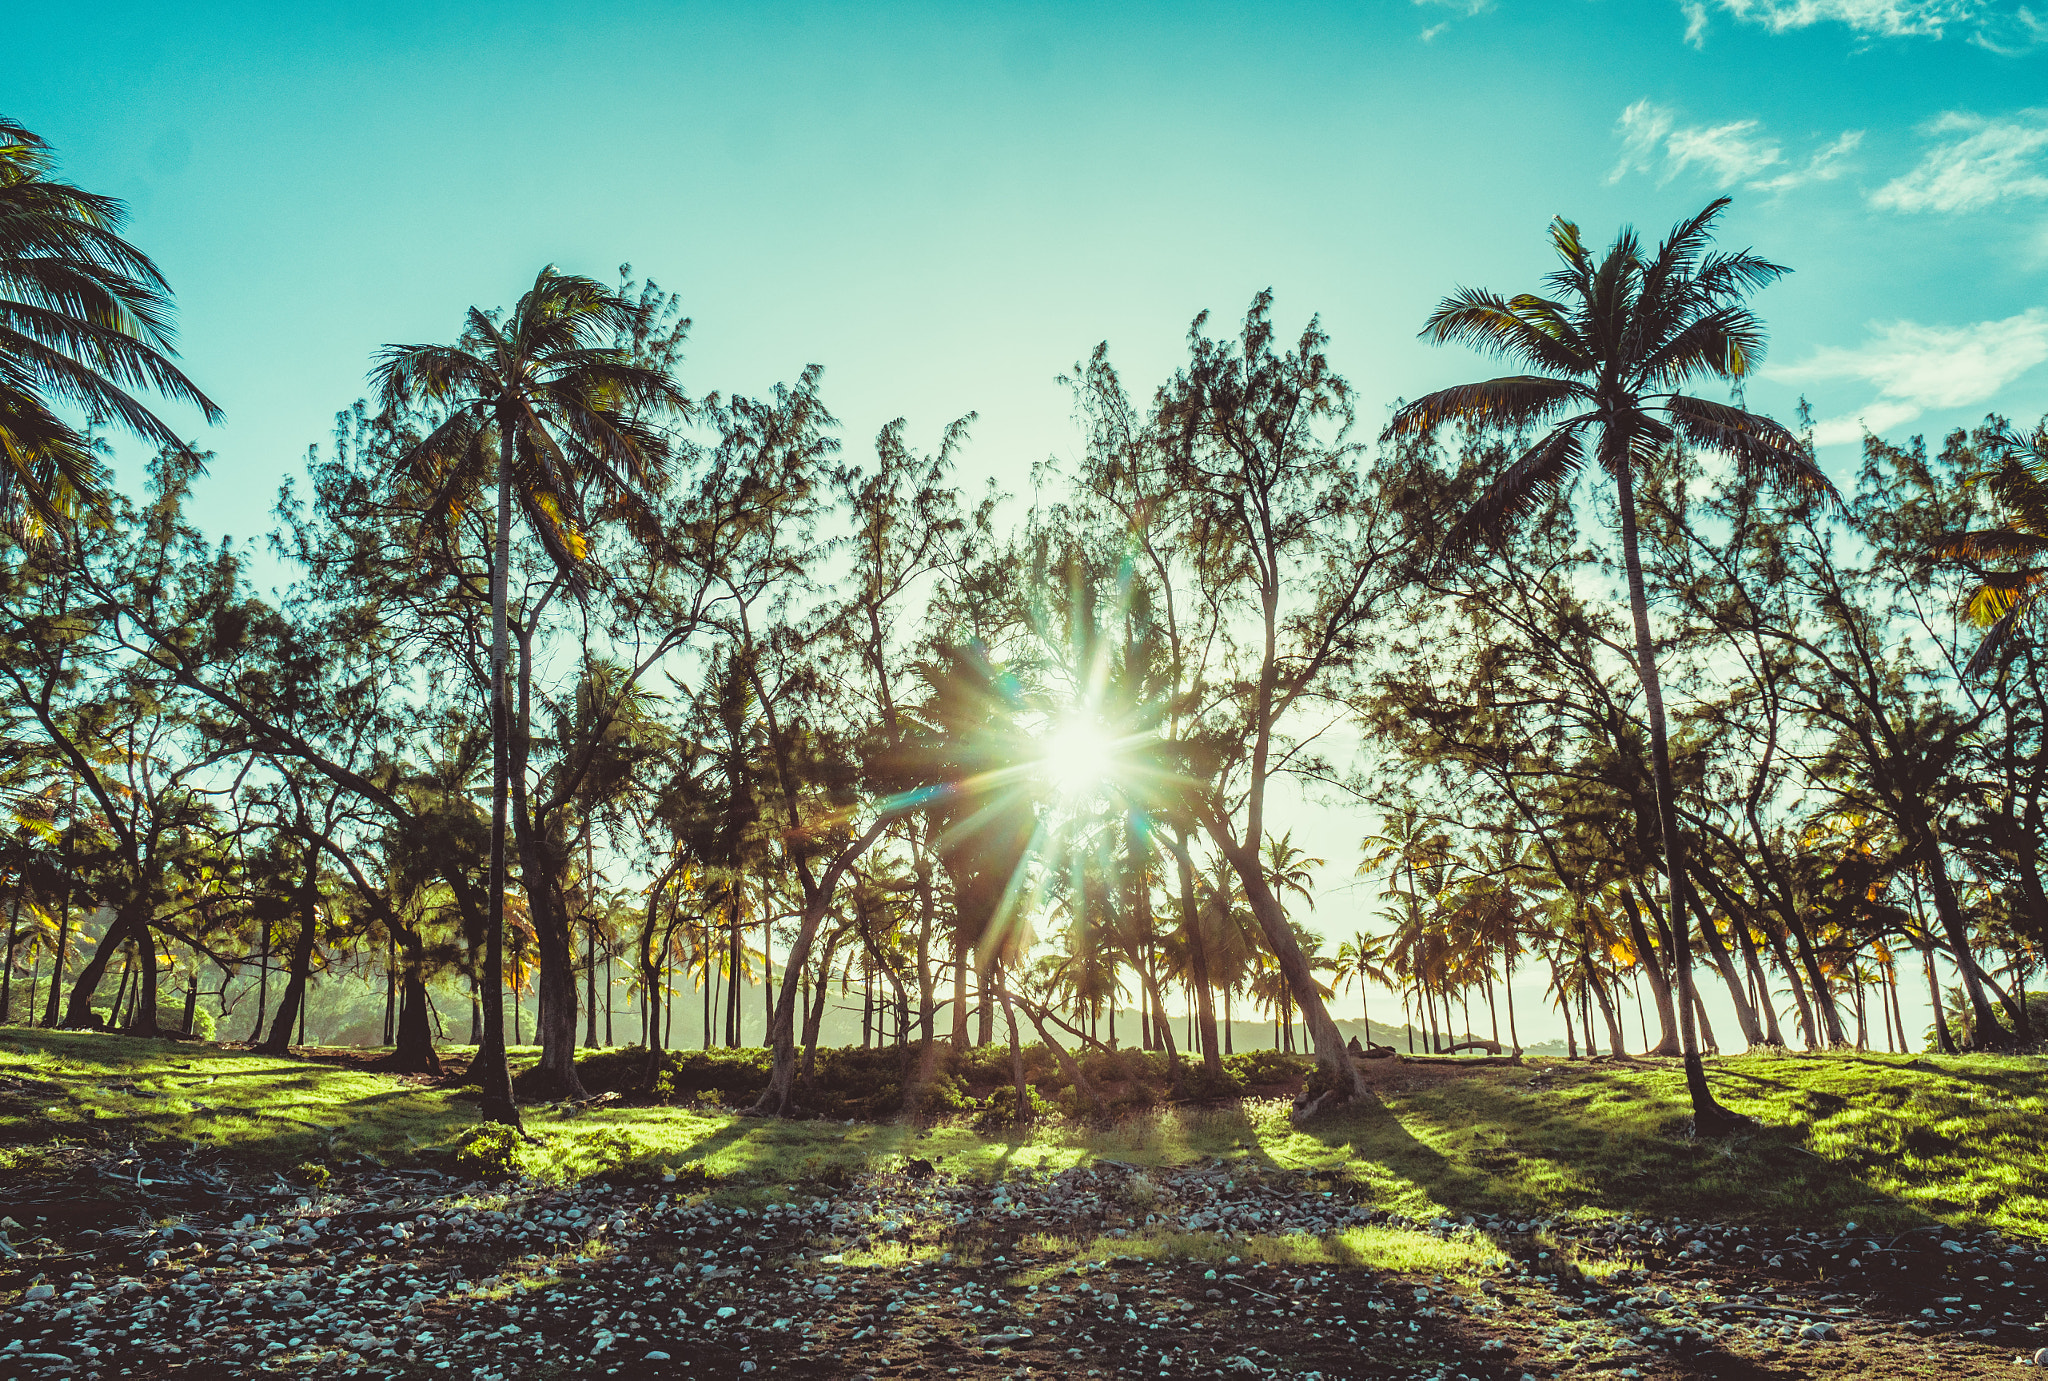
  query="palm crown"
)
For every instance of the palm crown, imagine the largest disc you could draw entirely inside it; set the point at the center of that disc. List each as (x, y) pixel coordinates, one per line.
(2006, 598)
(584, 412)
(1610, 350)
(84, 320)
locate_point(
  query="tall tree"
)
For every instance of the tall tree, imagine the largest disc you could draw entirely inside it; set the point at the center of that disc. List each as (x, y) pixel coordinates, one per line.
(1608, 352)
(542, 405)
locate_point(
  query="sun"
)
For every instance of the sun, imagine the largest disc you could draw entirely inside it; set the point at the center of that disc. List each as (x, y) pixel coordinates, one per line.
(1076, 757)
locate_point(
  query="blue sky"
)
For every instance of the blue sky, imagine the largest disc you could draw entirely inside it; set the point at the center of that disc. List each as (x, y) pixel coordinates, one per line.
(948, 205)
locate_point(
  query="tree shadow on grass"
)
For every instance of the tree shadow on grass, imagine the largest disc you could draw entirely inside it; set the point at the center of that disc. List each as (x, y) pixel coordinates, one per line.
(1497, 1152)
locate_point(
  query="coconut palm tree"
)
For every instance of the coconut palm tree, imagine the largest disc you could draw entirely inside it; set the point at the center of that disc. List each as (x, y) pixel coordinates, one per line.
(84, 321)
(546, 406)
(2018, 478)
(1608, 353)
(1363, 960)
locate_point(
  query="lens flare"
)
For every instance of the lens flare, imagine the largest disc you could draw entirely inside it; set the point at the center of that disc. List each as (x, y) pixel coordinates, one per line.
(1077, 757)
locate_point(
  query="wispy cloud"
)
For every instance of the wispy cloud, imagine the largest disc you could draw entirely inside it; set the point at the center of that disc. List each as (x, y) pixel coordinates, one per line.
(1695, 23)
(1737, 151)
(1983, 162)
(1916, 368)
(2000, 25)
(1464, 8)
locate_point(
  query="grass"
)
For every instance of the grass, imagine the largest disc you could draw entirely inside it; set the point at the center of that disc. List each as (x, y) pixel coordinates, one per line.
(1885, 1140)
(1378, 1248)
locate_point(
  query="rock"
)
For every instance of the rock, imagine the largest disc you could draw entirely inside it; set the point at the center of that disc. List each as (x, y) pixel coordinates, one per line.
(657, 1357)
(1821, 1333)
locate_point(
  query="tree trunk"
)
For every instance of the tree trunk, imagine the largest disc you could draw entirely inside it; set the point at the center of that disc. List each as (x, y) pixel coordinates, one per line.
(63, 924)
(1763, 1004)
(541, 866)
(1660, 987)
(590, 982)
(78, 1008)
(1330, 1052)
(776, 1099)
(1986, 1032)
(959, 990)
(1608, 1014)
(412, 1047)
(1745, 1015)
(1709, 1117)
(1016, 1055)
(490, 1068)
(280, 1039)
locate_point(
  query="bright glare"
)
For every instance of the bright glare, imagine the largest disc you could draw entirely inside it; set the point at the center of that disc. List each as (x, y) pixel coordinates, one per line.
(1077, 757)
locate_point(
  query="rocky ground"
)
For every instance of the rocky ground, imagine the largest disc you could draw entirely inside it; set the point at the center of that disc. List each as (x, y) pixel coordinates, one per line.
(910, 1273)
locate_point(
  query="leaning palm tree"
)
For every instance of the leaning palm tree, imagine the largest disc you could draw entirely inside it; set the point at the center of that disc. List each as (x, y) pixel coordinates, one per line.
(2018, 478)
(548, 407)
(84, 321)
(1608, 353)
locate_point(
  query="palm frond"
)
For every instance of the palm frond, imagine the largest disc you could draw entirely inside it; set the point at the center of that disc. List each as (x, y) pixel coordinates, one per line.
(1759, 446)
(1514, 401)
(1536, 478)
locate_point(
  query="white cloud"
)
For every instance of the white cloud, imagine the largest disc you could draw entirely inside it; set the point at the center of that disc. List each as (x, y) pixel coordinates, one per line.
(1824, 166)
(1989, 161)
(1916, 368)
(1731, 152)
(1466, 8)
(1653, 141)
(1999, 25)
(1890, 18)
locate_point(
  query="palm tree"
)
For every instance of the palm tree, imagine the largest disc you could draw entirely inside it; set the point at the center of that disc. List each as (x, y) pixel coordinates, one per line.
(1363, 960)
(1289, 869)
(548, 406)
(2007, 598)
(84, 319)
(1608, 354)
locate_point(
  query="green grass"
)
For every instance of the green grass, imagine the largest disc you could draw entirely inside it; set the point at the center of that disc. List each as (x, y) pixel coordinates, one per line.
(1887, 1140)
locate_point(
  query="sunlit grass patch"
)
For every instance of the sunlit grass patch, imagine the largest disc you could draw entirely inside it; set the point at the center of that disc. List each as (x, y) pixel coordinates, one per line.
(1887, 1140)
(1397, 1250)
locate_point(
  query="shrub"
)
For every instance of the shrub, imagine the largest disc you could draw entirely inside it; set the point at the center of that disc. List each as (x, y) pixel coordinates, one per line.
(1268, 1066)
(312, 1174)
(1199, 1085)
(490, 1151)
(1001, 1108)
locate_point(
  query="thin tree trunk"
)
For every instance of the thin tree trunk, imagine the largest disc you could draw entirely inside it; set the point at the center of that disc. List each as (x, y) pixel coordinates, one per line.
(1660, 987)
(490, 1069)
(288, 1007)
(63, 918)
(1709, 1117)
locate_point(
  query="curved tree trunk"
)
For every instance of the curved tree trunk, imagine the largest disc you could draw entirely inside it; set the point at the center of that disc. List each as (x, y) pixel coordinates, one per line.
(1653, 970)
(1330, 1051)
(280, 1039)
(78, 1007)
(144, 1022)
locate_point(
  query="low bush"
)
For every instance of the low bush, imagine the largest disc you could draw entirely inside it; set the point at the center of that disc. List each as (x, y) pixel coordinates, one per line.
(869, 1083)
(1268, 1066)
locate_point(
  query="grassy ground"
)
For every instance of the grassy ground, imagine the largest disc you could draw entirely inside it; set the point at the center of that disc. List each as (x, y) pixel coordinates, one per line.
(1885, 1140)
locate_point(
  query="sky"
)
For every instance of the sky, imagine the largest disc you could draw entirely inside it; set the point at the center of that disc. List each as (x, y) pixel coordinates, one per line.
(948, 205)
